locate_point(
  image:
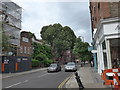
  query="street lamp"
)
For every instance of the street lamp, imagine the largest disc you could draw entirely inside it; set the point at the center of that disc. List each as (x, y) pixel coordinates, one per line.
(82, 38)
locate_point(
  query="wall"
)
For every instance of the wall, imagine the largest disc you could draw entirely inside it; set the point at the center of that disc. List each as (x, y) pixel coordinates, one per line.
(12, 64)
(25, 43)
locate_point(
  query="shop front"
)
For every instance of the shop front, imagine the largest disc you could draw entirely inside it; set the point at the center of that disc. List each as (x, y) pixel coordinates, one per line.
(107, 42)
(115, 52)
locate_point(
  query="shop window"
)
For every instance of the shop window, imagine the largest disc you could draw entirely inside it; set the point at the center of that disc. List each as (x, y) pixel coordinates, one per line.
(103, 45)
(104, 54)
(105, 59)
(115, 52)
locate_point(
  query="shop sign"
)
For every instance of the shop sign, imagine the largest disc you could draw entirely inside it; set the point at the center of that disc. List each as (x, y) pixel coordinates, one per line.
(18, 60)
(90, 48)
(25, 59)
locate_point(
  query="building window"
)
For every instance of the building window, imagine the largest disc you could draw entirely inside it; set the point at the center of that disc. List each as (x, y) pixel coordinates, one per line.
(21, 49)
(25, 49)
(98, 5)
(105, 59)
(104, 54)
(24, 39)
(103, 45)
(94, 9)
(28, 50)
(115, 52)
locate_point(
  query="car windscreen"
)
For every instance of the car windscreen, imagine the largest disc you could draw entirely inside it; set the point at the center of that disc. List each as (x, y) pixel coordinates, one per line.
(70, 64)
(53, 65)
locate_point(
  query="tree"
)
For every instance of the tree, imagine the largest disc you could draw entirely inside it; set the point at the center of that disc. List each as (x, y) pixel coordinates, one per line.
(42, 48)
(81, 50)
(48, 33)
(42, 53)
(35, 63)
(60, 38)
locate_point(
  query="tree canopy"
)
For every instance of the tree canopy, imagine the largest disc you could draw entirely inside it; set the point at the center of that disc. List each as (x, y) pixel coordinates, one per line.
(81, 50)
(42, 53)
(60, 38)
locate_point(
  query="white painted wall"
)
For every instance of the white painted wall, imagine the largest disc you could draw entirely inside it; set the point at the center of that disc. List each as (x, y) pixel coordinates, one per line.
(111, 28)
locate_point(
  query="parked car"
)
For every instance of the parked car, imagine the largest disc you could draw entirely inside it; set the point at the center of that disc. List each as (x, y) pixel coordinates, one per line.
(71, 66)
(54, 67)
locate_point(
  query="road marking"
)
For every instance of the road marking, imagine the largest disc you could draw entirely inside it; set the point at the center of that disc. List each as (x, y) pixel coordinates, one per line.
(25, 81)
(17, 84)
(13, 85)
(63, 83)
(42, 75)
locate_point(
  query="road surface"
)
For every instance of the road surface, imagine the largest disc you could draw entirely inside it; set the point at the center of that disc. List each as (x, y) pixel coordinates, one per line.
(40, 79)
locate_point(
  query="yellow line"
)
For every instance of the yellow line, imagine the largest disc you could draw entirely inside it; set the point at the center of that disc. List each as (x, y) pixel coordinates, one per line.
(63, 83)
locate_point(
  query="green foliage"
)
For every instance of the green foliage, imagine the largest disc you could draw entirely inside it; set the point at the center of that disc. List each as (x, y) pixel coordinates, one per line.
(43, 54)
(47, 62)
(41, 48)
(41, 57)
(48, 33)
(35, 63)
(81, 50)
(60, 38)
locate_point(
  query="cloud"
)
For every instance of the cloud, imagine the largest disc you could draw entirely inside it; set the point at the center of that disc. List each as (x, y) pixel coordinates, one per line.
(73, 14)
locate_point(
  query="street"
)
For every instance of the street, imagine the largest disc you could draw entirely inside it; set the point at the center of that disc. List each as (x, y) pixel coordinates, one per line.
(40, 79)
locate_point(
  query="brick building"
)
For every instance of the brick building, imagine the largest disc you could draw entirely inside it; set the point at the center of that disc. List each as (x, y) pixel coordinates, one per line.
(103, 10)
(26, 40)
(26, 48)
(105, 22)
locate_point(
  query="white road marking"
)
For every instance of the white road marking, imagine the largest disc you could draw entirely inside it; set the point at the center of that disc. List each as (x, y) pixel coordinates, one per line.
(13, 85)
(43, 75)
(17, 84)
(25, 81)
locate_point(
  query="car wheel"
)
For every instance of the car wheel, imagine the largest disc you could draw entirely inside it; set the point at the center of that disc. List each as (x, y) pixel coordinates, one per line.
(48, 71)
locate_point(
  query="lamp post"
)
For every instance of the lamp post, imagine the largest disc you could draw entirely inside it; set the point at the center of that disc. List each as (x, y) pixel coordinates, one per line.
(82, 38)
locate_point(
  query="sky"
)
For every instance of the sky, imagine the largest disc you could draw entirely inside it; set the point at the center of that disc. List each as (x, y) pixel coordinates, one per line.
(36, 14)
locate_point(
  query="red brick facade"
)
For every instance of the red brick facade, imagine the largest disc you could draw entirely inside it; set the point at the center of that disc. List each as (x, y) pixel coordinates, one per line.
(26, 48)
(103, 10)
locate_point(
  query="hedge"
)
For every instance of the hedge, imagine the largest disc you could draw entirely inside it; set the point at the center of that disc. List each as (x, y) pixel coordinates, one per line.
(35, 63)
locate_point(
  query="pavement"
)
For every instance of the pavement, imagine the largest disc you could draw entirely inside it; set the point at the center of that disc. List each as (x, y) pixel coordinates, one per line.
(89, 78)
(7, 75)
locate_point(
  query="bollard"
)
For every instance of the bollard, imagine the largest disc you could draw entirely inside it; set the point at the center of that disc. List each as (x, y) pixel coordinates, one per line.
(79, 81)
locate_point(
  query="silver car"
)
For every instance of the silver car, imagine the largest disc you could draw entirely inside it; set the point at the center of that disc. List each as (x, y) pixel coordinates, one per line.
(71, 66)
(54, 67)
